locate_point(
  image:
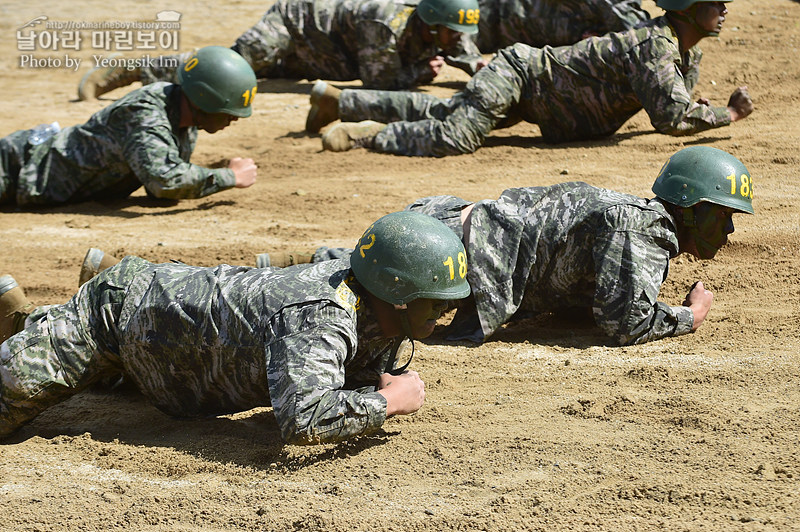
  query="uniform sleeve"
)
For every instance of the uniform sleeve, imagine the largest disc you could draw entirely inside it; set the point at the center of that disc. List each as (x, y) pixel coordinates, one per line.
(306, 377)
(379, 62)
(665, 92)
(151, 150)
(465, 55)
(630, 267)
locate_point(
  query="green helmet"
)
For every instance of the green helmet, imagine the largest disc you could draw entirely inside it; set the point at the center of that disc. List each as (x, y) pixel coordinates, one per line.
(680, 5)
(458, 15)
(407, 255)
(702, 173)
(218, 80)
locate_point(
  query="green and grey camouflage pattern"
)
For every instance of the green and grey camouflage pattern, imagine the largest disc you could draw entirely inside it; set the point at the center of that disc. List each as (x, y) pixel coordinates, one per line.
(566, 246)
(584, 91)
(376, 41)
(540, 23)
(208, 341)
(136, 141)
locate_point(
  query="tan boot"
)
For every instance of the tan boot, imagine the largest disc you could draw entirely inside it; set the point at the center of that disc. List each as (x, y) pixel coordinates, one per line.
(282, 260)
(95, 262)
(101, 80)
(14, 308)
(349, 135)
(324, 106)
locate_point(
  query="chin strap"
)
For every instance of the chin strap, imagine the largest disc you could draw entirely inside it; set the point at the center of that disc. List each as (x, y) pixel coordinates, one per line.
(398, 344)
(692, 20)
(688, 217)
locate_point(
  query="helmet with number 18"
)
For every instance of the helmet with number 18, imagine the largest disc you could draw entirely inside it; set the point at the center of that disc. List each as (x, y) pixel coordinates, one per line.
(702, 173)
(405, 256)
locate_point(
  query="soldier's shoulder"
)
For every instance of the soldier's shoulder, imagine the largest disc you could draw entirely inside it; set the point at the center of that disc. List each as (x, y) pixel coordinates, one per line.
(382, 9)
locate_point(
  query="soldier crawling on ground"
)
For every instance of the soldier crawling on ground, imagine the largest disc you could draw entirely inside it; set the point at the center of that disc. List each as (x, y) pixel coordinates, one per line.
(585, 250)
(318, 343)
(385, 44)
(584, 91)
(144, 139)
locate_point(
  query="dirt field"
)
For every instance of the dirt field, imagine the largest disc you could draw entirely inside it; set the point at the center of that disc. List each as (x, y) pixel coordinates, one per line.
(544, 428)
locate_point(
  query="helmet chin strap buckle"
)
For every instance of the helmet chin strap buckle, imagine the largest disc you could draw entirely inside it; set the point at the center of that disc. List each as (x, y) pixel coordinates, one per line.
(688, 217)
(400, 345)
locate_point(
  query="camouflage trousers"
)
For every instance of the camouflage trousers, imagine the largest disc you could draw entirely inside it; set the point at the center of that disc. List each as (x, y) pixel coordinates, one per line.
(426, 126)
(13, 149)
(65, 349)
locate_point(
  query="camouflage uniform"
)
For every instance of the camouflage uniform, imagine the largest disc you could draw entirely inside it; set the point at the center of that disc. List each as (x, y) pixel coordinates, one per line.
(133, 142)
(566, 246)
(583, 91)
(552, 22)
(208, 341)
(376, 41)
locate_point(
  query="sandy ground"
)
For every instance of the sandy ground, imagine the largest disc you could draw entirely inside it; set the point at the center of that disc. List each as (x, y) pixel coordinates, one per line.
(546, 427)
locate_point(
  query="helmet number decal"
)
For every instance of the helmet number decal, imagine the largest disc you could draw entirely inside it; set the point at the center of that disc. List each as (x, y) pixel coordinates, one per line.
(745, 187)
(248, 96)
(190, 64)
(462, 265)
(470, 16)
(363, 247)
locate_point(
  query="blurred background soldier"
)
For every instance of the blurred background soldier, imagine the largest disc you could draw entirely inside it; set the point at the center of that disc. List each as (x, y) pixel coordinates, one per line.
(144, 139)
(385, 44)
(584, 91)
(540, 23)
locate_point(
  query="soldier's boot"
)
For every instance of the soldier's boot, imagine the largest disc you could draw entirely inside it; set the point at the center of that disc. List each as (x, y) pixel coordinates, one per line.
(349, 135)
(282, 260)
(324, 106)
(101, 80)
(14, 308)
(95, 262)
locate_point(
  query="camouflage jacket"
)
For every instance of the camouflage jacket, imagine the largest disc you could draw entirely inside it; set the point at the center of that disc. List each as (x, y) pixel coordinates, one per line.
(376, 41)
(591, 88)
(134, 141)
(568, 245)
(552, 22)
(206, 341)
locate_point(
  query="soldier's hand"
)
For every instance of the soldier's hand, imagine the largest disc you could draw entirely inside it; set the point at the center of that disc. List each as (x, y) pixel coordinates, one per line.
(699, 300)
(740, 105)
(404, 393)
(436, 64)
(480, 64)
(245, 171)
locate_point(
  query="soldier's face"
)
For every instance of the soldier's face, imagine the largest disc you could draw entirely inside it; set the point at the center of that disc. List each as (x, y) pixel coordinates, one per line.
(422, 315)
(447, 38)
(213, 122)
(713, 224)
(710, 16)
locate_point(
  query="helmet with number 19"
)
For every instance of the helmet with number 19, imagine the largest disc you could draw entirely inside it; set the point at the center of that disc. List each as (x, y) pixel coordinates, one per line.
(459, 15)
